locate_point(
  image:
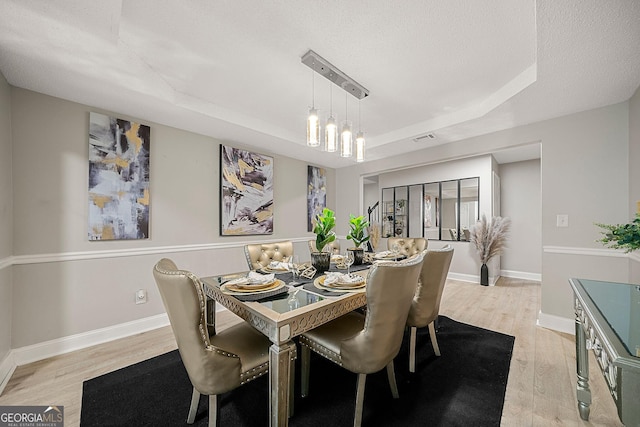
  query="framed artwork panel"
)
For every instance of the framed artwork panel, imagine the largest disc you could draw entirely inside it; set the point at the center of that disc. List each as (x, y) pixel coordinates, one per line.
(118, 179)
(246, 192)
(316, 193)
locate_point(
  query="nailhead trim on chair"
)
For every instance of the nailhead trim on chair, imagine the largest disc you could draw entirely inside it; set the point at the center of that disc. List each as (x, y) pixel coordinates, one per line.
(321, 350)
(203, 323)
(254, 373)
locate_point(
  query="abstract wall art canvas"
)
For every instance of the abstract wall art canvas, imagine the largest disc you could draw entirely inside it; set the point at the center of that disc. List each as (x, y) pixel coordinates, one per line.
(118, 179)
(246, 192)
(316, 193)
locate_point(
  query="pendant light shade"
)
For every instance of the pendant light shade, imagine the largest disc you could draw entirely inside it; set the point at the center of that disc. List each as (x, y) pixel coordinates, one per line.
(346, 140)
(331, 135)
(346, 137)
(313, 128)
(331, 129)
(359, 138)
(360, 147)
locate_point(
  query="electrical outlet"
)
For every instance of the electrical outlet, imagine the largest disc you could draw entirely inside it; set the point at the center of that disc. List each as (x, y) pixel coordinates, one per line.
(562, 220)
(141, 296)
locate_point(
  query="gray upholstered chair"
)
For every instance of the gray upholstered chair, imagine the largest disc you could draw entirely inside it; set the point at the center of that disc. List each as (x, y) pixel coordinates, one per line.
(408, 245)
(260, 255)
(215, 363)
(366, 343)
(334, 246)
(426, 302)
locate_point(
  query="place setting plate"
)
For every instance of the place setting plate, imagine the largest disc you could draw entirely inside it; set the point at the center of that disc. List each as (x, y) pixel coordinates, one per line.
(275, 268)
(387, 256)
(243, 288)
(341, 286)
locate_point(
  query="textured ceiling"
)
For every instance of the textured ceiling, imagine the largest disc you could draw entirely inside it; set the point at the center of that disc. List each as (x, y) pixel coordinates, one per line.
(232, 69)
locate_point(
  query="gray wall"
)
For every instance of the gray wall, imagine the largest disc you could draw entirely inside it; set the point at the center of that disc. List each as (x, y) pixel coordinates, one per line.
(520, 201)
(6, 219)
(65, 284)
(584, 173)
(634, 174)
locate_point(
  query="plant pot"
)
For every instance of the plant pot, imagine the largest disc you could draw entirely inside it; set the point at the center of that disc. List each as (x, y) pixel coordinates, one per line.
(484, 275)
(358, 255)
(321, 261)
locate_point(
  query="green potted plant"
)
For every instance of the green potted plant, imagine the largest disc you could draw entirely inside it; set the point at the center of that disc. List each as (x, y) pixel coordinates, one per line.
(358, 226)
(325, 222)
(622, 236)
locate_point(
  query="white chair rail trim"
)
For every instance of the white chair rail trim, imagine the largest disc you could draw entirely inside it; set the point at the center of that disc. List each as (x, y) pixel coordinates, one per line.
(118, 253)
(568, 250)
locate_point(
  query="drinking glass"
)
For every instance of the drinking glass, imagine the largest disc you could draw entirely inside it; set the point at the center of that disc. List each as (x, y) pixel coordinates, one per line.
(395, 249)
(294, 262)
(348, 260)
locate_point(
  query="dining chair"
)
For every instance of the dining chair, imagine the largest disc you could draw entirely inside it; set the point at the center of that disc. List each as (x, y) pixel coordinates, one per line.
(215, 362)
(366, 343)
(260, 255)
(333, 247)
(426, 301)
(408, 245)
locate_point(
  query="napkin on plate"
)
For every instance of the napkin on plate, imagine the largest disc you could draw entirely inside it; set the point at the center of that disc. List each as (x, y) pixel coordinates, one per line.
(333, 278)
(253, 278)
(278, 265)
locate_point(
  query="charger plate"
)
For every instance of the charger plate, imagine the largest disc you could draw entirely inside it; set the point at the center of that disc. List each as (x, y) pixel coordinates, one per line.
(387, 256)
(347, 287)
(231, 289)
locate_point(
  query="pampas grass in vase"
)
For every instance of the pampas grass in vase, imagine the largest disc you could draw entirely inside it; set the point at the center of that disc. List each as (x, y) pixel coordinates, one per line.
(489, 240)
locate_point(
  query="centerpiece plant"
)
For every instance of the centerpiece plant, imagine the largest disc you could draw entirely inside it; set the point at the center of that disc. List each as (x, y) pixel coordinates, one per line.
(358, 225)
(323, 229)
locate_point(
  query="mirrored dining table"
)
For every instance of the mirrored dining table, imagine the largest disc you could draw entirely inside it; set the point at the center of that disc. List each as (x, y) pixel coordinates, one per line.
(281, 318)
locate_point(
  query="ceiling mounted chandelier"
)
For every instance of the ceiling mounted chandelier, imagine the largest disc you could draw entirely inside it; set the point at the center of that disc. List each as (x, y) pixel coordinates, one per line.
(321, 66)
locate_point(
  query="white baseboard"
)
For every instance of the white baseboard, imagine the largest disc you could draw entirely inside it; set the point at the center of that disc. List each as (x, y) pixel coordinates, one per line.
(35, 352)
(557, 323)
(7, 367)
(536, 277)
(464, 277)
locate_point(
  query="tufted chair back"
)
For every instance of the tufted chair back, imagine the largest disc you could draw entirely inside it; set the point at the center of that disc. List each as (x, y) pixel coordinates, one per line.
(259, 255)
(426, 302)
(215, 363)
(409, 246)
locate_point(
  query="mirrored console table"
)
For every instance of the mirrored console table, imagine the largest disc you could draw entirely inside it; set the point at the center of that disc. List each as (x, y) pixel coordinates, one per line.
(608, 323)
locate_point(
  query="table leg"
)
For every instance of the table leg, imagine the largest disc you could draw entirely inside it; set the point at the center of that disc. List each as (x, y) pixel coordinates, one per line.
(582, 364)
(280, 379)
(211, 315)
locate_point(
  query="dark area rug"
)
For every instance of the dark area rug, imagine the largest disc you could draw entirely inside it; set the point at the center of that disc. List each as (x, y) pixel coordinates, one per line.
(463, 387)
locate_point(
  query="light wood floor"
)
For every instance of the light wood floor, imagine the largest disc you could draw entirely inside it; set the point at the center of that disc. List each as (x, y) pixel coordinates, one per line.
(540, 390)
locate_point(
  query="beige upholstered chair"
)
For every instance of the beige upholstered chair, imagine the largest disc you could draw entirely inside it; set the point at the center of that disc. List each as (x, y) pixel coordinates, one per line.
(215, 363)
(259, 255)
(426, 302)
(408, 245)
(333, 246)
(367, 343)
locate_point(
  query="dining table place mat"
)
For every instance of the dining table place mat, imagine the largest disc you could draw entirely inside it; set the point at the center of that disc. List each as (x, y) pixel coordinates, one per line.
(353, 268)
